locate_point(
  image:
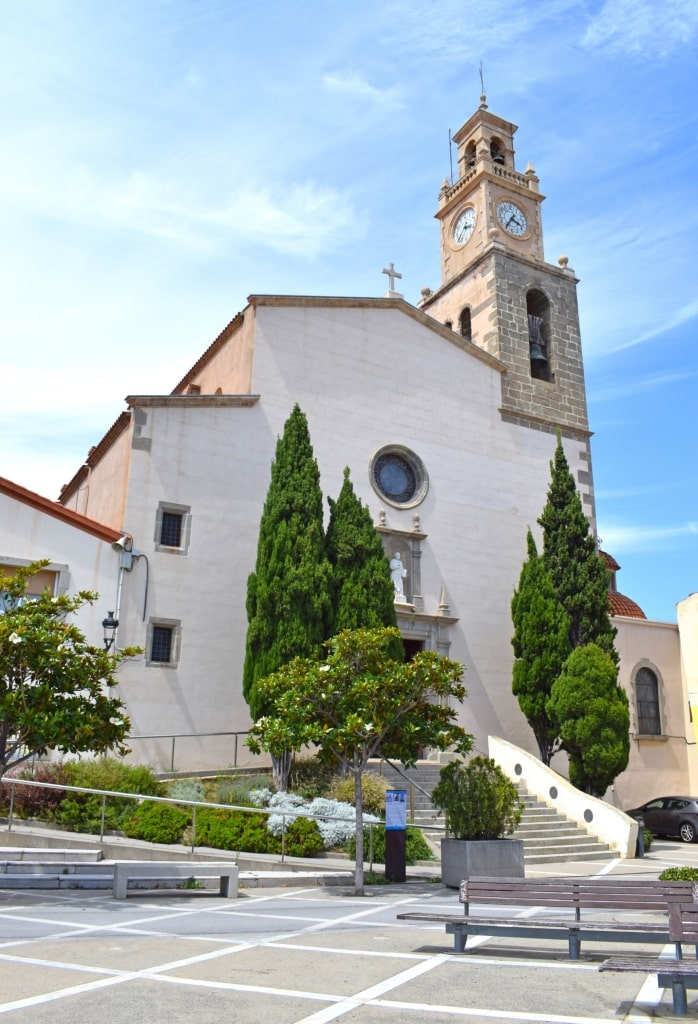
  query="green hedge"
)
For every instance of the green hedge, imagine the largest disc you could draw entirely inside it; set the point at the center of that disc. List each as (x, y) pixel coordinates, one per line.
(157, 823)
(247, 833)
(679, 875)
(416, 846)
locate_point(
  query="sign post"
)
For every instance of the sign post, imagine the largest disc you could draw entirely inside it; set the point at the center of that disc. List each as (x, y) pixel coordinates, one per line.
(396, 835)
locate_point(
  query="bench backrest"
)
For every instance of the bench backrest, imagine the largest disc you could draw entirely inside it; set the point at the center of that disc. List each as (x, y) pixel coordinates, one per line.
(683, 922)
(578, 893)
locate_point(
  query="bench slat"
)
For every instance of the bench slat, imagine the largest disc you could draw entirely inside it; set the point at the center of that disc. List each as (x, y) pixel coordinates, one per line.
(572, 894)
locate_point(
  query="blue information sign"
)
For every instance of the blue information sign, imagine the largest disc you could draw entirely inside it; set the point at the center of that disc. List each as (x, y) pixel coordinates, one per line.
(395, 809)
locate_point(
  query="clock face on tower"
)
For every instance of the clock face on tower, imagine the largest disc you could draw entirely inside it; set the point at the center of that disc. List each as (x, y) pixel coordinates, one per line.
(464, 226)
(512, 219)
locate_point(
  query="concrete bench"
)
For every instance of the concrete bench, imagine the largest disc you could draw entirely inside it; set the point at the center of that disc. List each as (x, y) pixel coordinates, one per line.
(139, 870)
(674, 973)
(563, 894)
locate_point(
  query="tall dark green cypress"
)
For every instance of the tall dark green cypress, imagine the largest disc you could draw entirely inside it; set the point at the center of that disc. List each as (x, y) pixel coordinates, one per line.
(572, 559)
(288, 594)
(363, 596)
(541, 647)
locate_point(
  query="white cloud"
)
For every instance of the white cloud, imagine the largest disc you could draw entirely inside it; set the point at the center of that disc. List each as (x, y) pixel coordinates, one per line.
(682, 316)
(652, 29)
(355, 85)
(628, 388)
(302, 219)
(621, 537)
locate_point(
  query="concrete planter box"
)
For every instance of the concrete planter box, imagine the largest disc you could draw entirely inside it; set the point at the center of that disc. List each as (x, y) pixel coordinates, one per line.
(491, 858)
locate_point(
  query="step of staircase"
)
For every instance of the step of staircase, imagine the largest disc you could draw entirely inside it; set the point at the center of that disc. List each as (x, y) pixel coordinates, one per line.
(547, 836)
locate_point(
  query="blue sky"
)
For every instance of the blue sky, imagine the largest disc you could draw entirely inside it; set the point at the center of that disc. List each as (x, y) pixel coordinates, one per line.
(163, 160)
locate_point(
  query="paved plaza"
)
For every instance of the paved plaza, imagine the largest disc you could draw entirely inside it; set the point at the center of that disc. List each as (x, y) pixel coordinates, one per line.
(301, 956)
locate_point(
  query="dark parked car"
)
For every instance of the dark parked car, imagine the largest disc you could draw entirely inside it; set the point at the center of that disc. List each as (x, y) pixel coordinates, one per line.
(670, 816)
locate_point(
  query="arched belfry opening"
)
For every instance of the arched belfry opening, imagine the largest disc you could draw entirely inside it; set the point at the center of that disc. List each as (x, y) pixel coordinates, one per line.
(538, 314)
(466, 324)
(497, 151)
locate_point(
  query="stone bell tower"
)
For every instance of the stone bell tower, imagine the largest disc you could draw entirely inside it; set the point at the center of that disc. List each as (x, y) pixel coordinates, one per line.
(496, 288)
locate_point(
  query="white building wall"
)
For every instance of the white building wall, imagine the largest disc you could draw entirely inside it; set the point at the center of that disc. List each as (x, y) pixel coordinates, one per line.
(365, 378)
(83, 560)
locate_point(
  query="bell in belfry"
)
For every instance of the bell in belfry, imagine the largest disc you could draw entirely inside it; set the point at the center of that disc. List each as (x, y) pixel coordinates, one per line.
(535, 339)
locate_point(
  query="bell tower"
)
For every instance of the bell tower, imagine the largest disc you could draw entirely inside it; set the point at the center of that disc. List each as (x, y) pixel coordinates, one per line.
(496, 289)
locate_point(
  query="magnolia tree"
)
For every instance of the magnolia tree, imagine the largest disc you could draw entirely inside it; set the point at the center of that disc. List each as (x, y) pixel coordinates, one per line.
(359, 703)
(54, 687)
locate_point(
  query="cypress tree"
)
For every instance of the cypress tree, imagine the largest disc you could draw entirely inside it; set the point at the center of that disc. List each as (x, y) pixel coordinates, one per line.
(541, 647)
(288, 600)
(362, 590)
(592, 710)
(579, 576)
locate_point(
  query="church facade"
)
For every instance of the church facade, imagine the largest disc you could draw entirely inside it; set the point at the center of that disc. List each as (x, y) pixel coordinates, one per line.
(446, 413)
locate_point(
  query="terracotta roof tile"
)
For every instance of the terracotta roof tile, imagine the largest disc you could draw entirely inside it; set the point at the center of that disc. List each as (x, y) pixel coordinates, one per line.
(622, 605)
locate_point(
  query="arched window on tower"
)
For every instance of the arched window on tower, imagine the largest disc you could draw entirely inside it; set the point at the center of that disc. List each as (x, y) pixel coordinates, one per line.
(647, 702)
(466, 324)
(538, 313)
(497, 151)
(470, 155)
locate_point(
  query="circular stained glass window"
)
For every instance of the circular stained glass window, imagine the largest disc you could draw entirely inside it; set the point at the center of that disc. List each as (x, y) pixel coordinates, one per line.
(398, 476)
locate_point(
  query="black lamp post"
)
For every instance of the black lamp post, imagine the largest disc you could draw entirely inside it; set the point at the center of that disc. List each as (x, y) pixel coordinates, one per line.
(110, 626)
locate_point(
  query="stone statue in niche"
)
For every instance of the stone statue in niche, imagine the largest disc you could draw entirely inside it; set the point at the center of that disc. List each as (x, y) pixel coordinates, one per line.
(398, 573)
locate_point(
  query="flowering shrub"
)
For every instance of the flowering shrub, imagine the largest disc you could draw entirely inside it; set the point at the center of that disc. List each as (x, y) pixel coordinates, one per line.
(333, 833)
(260, 797)
(286, 803)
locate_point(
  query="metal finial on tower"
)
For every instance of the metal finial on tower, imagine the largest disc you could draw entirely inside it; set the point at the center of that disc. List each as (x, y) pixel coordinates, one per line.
(483, 97)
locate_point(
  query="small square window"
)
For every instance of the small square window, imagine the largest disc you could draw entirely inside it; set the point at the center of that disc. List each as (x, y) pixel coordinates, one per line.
(171, 529)
(163, 643)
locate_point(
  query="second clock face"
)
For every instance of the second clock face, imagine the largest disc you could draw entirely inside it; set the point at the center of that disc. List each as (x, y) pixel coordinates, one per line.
(512, 218)
(464, 226)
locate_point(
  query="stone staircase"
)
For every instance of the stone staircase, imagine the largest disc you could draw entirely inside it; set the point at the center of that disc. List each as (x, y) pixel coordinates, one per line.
(547, 835)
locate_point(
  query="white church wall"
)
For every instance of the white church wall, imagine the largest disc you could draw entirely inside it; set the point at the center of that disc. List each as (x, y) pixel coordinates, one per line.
(82, 559)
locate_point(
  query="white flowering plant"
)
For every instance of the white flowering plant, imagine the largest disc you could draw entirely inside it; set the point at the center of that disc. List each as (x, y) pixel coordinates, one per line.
(360, 702)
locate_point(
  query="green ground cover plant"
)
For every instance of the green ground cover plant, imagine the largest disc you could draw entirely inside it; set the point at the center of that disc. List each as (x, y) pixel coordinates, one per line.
(82, 812)
(416, 846)
(157, 823)
(679, 875)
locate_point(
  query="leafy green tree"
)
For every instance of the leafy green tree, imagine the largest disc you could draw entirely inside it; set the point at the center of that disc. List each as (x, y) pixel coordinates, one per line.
(362, 590)
(54, 686)
(579, 575)
(593, 718)
(358, 703)
(541, 647)
(288, 594)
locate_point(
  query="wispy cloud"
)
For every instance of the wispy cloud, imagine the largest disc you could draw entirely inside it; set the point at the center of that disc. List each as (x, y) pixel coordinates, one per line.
(300, 219)
(682, 316)
(622, 537)
(651, 29)
(641, 385)
(356, 86)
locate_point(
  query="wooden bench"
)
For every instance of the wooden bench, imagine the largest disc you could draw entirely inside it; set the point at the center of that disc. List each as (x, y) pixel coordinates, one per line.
(563, 894)
(674, 973)
(140, 870)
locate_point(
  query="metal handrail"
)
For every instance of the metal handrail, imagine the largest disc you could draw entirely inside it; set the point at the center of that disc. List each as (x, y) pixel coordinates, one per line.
(194, 804)
(191, 736)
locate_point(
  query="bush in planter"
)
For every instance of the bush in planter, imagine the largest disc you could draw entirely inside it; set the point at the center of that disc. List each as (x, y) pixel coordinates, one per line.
(479, 801)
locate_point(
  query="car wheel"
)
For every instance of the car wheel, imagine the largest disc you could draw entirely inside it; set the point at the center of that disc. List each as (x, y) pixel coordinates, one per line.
(687, 832)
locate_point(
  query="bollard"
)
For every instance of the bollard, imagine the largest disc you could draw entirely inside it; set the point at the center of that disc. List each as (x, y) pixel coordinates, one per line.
(640, 836)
